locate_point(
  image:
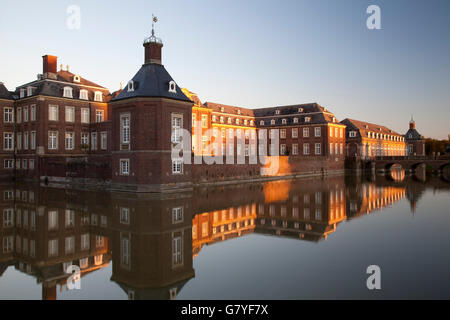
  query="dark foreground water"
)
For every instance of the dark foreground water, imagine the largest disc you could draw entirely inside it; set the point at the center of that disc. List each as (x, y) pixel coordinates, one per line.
(301, 239)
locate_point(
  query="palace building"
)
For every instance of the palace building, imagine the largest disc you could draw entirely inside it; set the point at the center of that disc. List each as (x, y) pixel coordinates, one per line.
(64, 129)
(367, 140)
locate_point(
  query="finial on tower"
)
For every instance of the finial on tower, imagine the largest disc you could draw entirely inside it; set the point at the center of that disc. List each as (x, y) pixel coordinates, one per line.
(153, 46)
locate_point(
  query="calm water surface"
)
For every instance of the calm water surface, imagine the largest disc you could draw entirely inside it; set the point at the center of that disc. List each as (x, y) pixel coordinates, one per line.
(299, 239)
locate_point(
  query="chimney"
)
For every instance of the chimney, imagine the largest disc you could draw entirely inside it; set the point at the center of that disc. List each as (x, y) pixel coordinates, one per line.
(153, 52)
(49, 66)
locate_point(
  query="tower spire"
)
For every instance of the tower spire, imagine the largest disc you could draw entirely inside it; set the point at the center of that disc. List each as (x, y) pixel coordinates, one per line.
(153, 46)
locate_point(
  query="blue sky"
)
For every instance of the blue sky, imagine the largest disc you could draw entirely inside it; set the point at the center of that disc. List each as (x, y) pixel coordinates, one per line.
(254, 53)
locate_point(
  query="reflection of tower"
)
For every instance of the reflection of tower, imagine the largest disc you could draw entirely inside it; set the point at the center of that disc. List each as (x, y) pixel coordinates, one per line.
(414, 191)
(152, 245)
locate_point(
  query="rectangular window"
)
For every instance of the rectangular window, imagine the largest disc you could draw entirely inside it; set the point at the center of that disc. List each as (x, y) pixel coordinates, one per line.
(69, 140)
(33, 112)
(294, 133)
(124, 167)
(99, 115)
(8, 218)
(84, 140)
(53, 113)
(177, 253)
(331, 132)
(93, 140)
(8, 142)
(8, 115)
(295, 149)
(104, 140)
(25, 140)
(85, 243)
(69, 245)
(177, 125)
(125, 128)
(317, 132)
(33, 140)
(318, 148)
(53, 140)
(336, 148)
(25, 114)
(8, 164)
(177, 167)
(204, 121)
(305, 132)
(19, 141)
(31, 164)
(283, 133)
(124, 215)
(283, 149)
(52, 220)
(70, 114)
(85, 115)
(331, 148)
(177, 215)
(24, 163)
(19, 115)
(53, 248)
(306, 148)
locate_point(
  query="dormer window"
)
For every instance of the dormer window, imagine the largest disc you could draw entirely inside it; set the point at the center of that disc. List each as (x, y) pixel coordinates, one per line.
(352, 134)
(98, 96)
(307, 119)
(84, 94)
(251, 122)
(29, 91)
(261, 123)
(229, 120)
(283, 121)
(334, 119)
(295, 120)
(300, 110)
(130, 86)
(245, 122)
(68, 92)
(221, 120)
(239, 111)
(237, 121)
(222, 109)
(22, 93)
(272, 121)
(76, 79)
(172, 87)
(277, 111)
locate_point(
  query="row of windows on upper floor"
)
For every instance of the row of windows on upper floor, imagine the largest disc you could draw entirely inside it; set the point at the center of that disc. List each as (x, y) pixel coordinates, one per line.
(28, 140)
(277, 111)
(334, 132)
(377, 135)
(239, 121)
(29, 114)
(67, 93)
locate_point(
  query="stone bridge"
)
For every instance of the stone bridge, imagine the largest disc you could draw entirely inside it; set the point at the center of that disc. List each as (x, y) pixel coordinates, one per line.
(409, 163)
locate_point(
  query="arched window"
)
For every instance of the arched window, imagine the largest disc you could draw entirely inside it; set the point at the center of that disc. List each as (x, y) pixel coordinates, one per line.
(172, 87)
(98, 96)
(68, 92)
(83, 94)
(130, 86)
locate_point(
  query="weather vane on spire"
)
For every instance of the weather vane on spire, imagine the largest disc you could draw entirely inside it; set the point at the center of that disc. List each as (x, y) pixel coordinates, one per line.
(154, 20)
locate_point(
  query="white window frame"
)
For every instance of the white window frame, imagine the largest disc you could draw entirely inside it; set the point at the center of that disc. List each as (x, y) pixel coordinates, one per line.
(68, 92)
(84, 94)
(70, 114)
(104, 140)
(85, 115)
(124, 167)
(53, 144)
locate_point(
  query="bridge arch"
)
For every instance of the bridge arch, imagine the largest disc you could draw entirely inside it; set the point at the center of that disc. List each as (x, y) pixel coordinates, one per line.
(442, 166)
(415, 165)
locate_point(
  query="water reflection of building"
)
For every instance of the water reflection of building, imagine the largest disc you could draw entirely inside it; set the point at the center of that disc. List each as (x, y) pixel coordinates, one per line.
(369, 197)
(42, 234)
(152, 255)
(151, 241)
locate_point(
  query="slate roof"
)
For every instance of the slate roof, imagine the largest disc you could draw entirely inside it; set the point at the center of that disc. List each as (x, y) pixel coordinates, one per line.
(152, 80)
(55, 88)
(217, 107)
(314, 111)
(4, 93)
(413, 134)
(364, 127)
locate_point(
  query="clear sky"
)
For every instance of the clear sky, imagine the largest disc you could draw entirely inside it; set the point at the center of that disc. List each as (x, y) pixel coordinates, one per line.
(253, 53)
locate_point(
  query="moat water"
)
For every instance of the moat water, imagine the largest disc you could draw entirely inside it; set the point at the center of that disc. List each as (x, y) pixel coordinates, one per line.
(290, 239)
